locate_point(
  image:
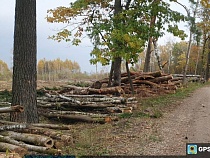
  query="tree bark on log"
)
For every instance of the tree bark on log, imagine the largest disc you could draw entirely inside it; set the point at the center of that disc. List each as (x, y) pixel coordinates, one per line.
(161, 79)
(88, 91)
(12, 148)
(14, 126)
(30, 138)
(176, 79)
(67, 105)
(58, 135)
(82, 100)
(154, 74)
(108, 90)
(77, 118)
(86, 96)
(23, 126)
(16, 108)
(152, 84)
(52, 126)
(70, 99)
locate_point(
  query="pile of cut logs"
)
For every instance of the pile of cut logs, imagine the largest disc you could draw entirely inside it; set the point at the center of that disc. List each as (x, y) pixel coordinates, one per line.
(92, 108)
(145, 84)
(34, 138)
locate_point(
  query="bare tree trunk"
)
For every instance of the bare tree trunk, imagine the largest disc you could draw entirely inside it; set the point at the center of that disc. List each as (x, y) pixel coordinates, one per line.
(117, 71)
(187, 58)
(205, 39)
(149, 46)
(148, 56)
(197, 60)
(189, 44)
(156, 54)
(117, 60)
(25, 62)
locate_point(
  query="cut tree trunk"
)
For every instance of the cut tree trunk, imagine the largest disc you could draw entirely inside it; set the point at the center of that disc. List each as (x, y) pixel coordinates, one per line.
(58, 135)
(30, 138)
(16, 108)
(12, 148)
(25, 146)
(88, 91)
(151, 84)
(108, 90)
(77, 118)
(52, 126)
(70, 99)
(162, 79)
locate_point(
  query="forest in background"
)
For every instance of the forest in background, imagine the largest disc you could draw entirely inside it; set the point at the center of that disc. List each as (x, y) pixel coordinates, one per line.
(172, 56)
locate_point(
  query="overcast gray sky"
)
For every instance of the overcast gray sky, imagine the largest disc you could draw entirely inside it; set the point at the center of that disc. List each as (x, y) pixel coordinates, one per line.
(46, 48)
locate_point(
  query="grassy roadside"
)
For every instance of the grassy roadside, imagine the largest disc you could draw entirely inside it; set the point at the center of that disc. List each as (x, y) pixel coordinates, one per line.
(154, 107)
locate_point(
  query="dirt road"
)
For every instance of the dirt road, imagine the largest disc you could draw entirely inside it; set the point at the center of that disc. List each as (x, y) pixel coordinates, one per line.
(188, 122)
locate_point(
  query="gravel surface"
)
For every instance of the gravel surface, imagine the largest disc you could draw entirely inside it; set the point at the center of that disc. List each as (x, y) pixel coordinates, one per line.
(187, 123)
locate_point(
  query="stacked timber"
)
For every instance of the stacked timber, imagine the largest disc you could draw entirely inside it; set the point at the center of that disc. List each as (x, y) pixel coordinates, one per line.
(36, 138)
(145, 84)
(178, 78)
(91, 108)
(20, 138)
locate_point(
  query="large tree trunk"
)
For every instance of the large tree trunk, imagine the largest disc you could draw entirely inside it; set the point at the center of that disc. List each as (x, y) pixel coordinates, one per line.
(148, 56)
(111, 74)
(117, 72)
(150, 40)
(189, 44)
(24, 70)
(156, 54)
(201, 68)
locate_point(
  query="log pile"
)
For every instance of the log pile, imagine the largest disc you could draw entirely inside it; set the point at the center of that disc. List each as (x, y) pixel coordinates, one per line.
(178, 78)
(90, 108)
(145, 84)
(36, 138)
(24, 138)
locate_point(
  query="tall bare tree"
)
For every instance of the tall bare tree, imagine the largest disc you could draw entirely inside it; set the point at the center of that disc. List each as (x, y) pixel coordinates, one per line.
(24, 69)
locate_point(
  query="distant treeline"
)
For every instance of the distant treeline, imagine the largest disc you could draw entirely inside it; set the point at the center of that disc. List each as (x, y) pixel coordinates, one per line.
(48, 70)
(51, 70)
